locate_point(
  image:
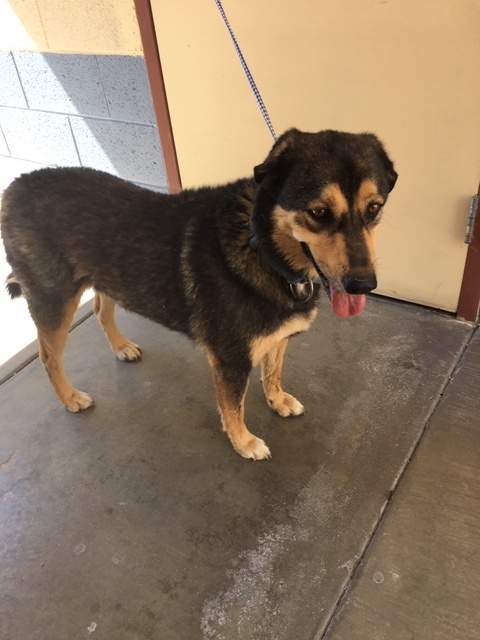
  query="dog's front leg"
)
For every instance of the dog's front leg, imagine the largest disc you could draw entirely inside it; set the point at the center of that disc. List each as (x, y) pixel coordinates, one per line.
(104, 309)
(272, 363)
(231, 387)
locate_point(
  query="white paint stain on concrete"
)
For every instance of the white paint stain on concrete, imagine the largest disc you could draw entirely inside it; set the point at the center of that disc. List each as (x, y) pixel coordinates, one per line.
(247, 603)
(258, 601)
(78, 549)
(378, 577)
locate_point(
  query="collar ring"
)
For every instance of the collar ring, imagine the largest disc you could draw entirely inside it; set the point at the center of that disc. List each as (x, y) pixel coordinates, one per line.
(302, 291)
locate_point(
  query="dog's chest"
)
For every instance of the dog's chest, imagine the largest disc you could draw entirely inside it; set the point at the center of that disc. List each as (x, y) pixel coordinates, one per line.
(262, 345)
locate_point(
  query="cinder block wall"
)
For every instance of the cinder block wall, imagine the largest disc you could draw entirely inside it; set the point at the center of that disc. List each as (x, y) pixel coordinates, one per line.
(78, 110)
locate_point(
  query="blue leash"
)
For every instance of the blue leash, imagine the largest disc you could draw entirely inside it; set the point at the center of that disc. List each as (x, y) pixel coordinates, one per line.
(250, 79)
(302, 288)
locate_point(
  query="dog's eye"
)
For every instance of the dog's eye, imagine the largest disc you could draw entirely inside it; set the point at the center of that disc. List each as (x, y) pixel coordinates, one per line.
(318, 212)
(374, 209)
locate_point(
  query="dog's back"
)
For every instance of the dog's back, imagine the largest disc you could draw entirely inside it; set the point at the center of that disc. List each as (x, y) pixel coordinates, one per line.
(70, 228)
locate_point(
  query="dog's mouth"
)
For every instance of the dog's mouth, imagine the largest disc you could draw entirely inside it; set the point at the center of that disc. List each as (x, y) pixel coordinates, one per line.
(343, 304)
(346, 304)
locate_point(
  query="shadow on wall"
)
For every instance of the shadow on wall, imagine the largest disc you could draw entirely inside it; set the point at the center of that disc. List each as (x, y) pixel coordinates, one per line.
(78, 110)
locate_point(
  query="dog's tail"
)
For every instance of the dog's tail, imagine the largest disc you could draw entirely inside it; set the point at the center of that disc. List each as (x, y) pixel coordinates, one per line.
(13, 287)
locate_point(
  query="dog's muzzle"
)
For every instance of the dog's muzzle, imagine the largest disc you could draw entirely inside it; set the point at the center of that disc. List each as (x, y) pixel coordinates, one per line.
(356, 285)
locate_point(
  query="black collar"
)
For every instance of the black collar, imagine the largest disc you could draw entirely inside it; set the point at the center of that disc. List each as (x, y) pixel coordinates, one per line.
(301, 287)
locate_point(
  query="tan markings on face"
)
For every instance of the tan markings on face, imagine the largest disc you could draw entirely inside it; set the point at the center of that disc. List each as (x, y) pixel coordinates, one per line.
(332, 198)
(264, 344)
(368, 192)
(329, 250)
(284, 239)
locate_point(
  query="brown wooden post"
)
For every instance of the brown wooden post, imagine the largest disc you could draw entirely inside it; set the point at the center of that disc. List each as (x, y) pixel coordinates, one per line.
(469, 301)
(159, 96)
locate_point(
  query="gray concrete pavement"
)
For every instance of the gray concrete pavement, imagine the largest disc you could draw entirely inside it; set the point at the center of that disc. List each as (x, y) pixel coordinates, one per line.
(137, 520)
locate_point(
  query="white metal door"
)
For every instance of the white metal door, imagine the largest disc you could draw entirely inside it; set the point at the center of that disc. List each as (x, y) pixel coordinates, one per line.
(406, 71)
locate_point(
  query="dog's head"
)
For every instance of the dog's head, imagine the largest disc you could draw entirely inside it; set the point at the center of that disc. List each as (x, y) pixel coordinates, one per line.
(320, 198)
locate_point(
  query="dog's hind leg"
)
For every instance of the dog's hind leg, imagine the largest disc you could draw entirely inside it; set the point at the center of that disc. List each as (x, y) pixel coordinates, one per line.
(51, 346)
(272, 363)
(231, 386)
(104, 309)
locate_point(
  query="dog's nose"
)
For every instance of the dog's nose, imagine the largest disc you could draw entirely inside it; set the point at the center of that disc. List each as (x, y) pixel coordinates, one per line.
(355, 285)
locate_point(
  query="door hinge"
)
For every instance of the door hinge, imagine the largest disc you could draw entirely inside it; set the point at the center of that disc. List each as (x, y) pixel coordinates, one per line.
(472, 214)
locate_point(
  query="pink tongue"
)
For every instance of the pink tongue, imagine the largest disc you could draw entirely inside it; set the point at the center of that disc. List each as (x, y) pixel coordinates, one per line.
(346, 304)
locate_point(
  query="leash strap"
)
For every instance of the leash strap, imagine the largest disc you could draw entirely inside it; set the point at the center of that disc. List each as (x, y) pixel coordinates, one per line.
(250, 79)
(321, 276)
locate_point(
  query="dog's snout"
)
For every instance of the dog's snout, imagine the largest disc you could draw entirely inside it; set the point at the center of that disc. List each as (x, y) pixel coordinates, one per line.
(356, 285)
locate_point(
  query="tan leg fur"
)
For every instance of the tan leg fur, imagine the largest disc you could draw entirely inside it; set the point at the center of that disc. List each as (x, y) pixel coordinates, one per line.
(51, 346)
(104, 309)
(232, 413)
(283, 403)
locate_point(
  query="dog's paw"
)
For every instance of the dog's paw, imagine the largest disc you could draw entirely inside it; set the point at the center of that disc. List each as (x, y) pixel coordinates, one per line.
(286, 405)
(78, 401)
(128, 352)
(254, 449)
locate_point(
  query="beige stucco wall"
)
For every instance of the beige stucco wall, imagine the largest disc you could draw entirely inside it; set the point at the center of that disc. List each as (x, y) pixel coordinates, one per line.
(70, 26)
(404, 69)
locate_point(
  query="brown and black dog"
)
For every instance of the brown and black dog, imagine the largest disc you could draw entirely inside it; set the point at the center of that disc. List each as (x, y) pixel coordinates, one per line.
(239, 268)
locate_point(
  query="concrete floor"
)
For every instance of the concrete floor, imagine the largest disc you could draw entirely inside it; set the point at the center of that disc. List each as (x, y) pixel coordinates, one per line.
(136, 519)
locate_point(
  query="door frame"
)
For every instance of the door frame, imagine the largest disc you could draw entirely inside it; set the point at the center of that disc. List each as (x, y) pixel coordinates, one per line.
(159, 95)
(469, 299)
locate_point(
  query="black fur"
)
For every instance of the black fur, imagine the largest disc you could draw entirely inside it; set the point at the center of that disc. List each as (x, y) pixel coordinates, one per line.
(13, 287)
(186, 260)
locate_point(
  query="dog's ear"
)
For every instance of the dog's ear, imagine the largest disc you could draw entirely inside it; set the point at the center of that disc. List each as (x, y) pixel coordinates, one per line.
(278, 156)
(390, 174)
(260, 171)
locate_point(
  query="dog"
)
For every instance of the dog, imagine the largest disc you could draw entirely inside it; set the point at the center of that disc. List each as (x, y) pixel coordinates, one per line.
(239, 268)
